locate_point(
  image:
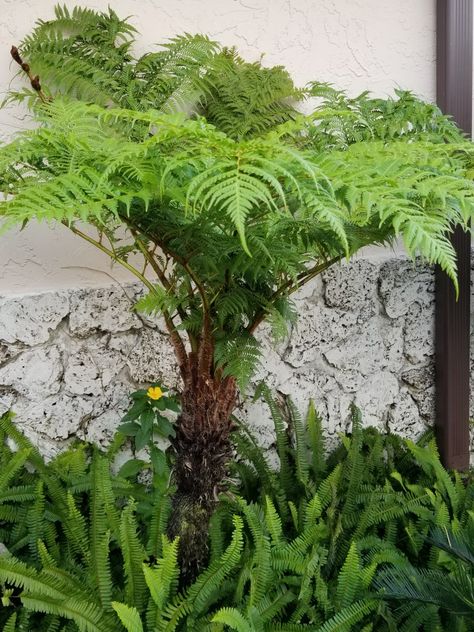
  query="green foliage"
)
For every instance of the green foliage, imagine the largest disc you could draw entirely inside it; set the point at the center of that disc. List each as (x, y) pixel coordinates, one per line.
(433, 587)
(202, 164)
(355, 521)
(323, 542)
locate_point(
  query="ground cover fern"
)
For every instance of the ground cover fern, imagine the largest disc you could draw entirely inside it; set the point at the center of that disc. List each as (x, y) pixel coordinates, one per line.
(350, 541)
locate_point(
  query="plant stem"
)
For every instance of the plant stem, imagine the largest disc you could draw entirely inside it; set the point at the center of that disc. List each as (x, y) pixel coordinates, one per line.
(161, 275)
(289, 287)
(176, 340)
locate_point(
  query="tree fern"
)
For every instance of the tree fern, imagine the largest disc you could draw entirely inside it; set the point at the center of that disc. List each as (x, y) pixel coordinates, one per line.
(203, 166)
(200, 164)
(239, 171)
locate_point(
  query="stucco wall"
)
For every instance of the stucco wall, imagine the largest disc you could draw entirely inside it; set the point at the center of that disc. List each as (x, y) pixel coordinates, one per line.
(355, 44)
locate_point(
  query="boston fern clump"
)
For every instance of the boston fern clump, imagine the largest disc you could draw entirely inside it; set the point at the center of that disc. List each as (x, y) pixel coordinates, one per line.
(377, 536)
(202, 165)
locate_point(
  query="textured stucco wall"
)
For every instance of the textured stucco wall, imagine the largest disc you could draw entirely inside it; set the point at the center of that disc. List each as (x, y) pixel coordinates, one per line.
(356, 44)
(68, 359)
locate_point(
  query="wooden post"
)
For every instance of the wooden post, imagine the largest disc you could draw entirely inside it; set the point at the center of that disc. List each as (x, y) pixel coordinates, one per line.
(454, 96)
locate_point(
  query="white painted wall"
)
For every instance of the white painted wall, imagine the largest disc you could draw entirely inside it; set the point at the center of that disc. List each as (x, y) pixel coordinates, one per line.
(355, 44)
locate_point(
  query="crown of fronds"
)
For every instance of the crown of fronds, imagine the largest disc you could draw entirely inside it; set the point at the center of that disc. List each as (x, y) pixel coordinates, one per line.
(232, 195)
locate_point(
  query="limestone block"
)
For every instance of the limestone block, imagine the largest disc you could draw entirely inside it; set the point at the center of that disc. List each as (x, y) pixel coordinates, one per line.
(115, 397)
(335, 411)
(57, 417)
(7, 399)
(330, 400)
(107, 413)
(403, 416)
(35, 373)
(311, 291)
(366, 348)
(420, 383)
(107, 309)
(9, 351)
(403, 283)
(257, 416)
(124, 342)
(31, 319)
(353, 287)
(317, 330)
(379, 392)
(350, 380)
(419, 378)
(426, 404)
(309, 383)
(152, 360)
(272, 368)
(419, 333)
(92, 368)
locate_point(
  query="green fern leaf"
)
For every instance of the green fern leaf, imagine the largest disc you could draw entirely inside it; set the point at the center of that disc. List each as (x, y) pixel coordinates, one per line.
(129, 617)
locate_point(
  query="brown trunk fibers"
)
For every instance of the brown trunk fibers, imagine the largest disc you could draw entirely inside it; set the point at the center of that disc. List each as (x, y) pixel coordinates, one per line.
(203, 451)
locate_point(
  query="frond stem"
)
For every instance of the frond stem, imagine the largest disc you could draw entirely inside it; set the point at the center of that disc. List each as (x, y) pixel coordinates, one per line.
(148, 256)
(289, 287)
(178, 344)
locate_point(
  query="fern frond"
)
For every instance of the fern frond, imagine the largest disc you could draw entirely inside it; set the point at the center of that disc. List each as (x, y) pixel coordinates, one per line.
(239, 357)
(133, 558)
(232, 618)
(348, 617)
(129, 617)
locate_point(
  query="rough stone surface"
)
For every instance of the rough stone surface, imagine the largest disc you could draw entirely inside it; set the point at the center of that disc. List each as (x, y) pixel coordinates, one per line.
(30, 319)
(35, 374)
(355, 290)
(68, 361)
(152, 360)
(105, 309)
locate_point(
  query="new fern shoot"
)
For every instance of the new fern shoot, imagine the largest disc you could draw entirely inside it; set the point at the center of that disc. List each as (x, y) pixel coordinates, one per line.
(203, 165)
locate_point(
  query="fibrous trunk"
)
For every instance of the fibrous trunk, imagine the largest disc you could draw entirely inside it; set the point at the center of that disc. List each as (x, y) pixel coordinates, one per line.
(203, 451)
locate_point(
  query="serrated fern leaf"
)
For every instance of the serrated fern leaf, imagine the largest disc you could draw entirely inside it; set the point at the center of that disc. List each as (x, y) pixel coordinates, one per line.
(346, 618)
(133, 557)
(232, 618)
(129, 617)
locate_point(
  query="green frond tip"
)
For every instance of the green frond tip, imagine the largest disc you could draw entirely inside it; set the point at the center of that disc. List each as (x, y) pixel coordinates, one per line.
(129, 617)
(238, 356)
(346, 618)
(233, 618)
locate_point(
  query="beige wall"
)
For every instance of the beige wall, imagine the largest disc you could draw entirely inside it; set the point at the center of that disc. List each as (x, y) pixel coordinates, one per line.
(355, 44)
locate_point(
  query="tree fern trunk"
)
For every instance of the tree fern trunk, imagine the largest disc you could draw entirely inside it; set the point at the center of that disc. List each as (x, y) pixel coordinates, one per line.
(203, 451)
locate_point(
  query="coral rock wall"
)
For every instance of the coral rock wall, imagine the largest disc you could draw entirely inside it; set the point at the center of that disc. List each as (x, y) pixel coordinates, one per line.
(68, 359)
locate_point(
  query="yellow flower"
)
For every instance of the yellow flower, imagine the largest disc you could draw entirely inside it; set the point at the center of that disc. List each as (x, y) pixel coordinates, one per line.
(154, 392)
